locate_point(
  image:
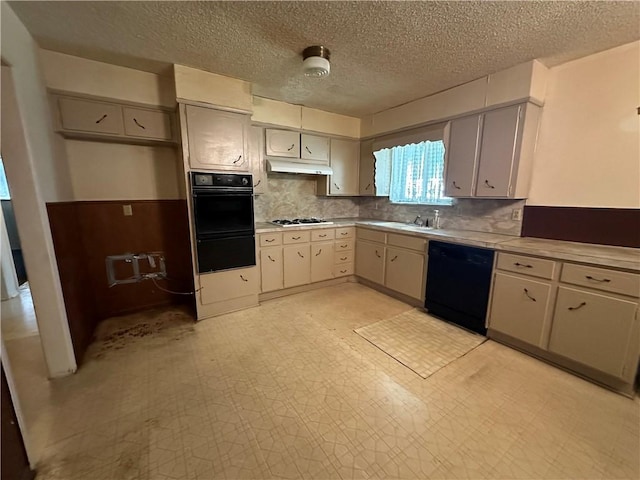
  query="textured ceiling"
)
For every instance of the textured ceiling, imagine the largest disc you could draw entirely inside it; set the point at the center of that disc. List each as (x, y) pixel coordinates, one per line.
(383, 53)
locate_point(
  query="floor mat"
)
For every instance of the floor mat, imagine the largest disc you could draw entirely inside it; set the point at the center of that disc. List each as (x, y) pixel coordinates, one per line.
(420, 342)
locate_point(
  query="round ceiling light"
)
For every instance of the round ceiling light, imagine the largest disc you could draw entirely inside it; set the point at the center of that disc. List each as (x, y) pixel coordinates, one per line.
(316, 61)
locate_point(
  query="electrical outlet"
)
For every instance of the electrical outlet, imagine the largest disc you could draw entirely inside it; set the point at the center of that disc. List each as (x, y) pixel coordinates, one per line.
(127, 210)
(516, 214)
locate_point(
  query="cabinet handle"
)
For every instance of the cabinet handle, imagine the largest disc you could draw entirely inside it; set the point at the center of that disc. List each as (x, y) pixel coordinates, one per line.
(319, 252)
(243, 279)
(455, 186)
(602, 280)
(269, 240)
(300, 255)
(526, 292)
(291, 147)
(237, 160)
(101, 118)
(307, 149)
(344, 233)
(322, 236)
(579, 306)
(336, 185)
(295, 238)
(269, 257)
(368, 186)
(518, 264)
(344, 246)
(488, 185)
(377, 254)
(343, 258)
(343, 271)
(394, 258)
(137, 123)
(257, 183)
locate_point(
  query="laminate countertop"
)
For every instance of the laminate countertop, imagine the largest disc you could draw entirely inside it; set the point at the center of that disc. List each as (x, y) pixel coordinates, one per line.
(593, 254)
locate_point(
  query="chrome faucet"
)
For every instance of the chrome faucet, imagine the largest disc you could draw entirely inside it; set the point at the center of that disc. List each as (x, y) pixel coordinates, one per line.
(418, 221)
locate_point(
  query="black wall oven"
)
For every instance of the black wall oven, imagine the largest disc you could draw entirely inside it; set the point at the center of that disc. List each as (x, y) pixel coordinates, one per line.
(223, 219)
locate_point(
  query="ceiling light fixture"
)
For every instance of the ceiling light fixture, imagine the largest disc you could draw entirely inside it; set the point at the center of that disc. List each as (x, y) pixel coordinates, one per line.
(316, 61)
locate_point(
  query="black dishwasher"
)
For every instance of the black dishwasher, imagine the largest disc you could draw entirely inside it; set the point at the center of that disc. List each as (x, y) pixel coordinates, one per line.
(458, 283)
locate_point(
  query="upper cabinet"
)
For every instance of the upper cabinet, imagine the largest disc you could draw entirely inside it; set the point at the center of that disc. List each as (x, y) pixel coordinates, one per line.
(282, 143)
(490, 154)
(314, 147)
(367, 184)
(110, 121)
(218, 140)
(256, 157)
(345, 159)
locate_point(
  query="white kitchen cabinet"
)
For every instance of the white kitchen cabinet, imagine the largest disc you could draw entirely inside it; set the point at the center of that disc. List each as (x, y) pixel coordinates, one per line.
(314, 147)
(258, 169)
(404, 272)
(218, 140)
(322, 261)
(271, 269)
(366, 178)
(491, 154)
(297, 265)
(282, 143)
(146, 123)
(229, 284)
(370, 261)
(90, 116)
(345, 159)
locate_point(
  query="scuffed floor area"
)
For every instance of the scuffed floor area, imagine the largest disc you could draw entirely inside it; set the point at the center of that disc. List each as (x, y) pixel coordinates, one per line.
(288, 390)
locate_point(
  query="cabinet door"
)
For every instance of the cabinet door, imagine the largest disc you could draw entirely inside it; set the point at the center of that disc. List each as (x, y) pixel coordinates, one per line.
(345, 158)
(282, 143)
(592, 329)
(462, 156)
(271, 269)
(321, 261)
(519, 307)
(221, 286)
(315, 148)
(89, 116)
(217, 140)
(370, 261)
(367, 184)
(140, 122)
(497, 152)
(297, 265)
(405, 272)
(256, 147)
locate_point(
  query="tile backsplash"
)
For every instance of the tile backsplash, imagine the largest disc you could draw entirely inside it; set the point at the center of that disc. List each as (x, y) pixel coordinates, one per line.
(292, 196)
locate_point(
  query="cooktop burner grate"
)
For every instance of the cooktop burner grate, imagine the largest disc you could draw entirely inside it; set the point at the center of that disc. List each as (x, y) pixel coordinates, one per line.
(299, 221)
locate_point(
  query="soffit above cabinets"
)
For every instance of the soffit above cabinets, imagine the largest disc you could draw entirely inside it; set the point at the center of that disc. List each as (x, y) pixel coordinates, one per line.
(384, 54)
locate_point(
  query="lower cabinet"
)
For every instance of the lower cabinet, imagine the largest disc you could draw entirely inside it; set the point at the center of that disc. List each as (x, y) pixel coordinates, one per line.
(321, 261)
(520, 307)
(229, 284)
(405, 272)
(271, 269)
(370, 261)
(593, 329)
(297, 265)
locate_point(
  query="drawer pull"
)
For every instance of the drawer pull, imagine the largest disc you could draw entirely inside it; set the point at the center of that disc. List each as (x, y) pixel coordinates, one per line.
(269, 240)
(322, 236)
(377, 254)
(258, 183)
(336, 185)
(319, 252)
(455, 186)
(601, 280)
(344, 246)
(238, 159)
(488, 185)
(295, 238)
(101, 118)
(526, 292)
(291, 147)
(525, 265)
(368, 186)
(579, 306)
(300, 255)
(343, 271)
(394, 258)
(243, 279)
(343, 258)
(307, 149)
(344, 233)
(269, 257)
(139, 124)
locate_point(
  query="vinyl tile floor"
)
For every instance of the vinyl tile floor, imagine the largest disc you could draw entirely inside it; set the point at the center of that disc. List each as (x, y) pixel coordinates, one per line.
(288, 390)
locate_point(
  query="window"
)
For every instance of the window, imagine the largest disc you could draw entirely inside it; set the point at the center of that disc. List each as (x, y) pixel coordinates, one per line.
(4, 186)
(412, 173)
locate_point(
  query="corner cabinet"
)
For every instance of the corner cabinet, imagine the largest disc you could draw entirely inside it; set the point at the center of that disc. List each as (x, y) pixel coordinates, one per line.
(256, 158)
(344, 161)
(491, 154)
(217, 139)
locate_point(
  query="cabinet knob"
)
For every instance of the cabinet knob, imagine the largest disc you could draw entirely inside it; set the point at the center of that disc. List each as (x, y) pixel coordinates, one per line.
(138, 124)
(488, 185)
(526, 292)
(101, 118)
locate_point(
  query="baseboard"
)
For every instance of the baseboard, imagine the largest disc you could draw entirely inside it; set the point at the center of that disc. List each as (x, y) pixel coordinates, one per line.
(392, 293)
(305, 288)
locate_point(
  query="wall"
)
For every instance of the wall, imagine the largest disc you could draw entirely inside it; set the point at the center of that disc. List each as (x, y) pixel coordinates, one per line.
(588, 143)
(37, 175)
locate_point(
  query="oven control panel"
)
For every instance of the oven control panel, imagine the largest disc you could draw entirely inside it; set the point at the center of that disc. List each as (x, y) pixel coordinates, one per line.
(199, 179)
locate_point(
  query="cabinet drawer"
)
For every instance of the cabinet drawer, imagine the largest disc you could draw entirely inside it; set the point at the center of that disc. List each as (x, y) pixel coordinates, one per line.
(89, 116)
(301, 236)
(593, 329)
(342, 245)
(139, 122)
(343, 257)
(345, 232)
(270, 239)
(229, 284)
(519, 307)
(405, 241)
(602, 279)
(343, 270)
(536, 267)
(324, 234)
(371, 235)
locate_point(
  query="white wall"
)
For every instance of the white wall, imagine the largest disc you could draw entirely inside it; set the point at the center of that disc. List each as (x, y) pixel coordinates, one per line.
(588, 143)
(36, 176)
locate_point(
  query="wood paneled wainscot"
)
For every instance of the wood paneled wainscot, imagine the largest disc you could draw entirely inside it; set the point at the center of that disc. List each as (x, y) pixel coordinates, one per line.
(578, 316)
